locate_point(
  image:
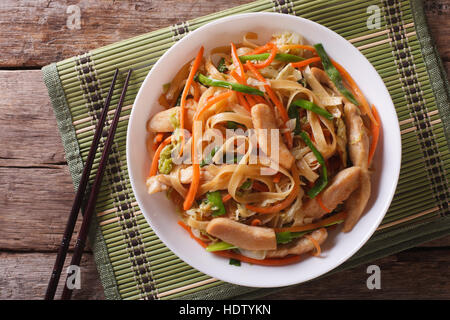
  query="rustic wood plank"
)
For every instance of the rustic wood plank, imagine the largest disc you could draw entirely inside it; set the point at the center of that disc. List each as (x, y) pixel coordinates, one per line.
(25, 276)
(35, 33)
(28, 129)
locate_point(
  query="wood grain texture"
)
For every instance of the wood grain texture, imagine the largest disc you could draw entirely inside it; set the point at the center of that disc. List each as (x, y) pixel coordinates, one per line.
(35, 33)
(36, 191)
(25, 276)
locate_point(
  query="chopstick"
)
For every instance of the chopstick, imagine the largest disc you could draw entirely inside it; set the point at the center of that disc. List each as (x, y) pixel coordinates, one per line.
(70, 226)
(90, 208)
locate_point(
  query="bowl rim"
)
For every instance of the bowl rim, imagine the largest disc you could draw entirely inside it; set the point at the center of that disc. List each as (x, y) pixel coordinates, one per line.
(395, 139)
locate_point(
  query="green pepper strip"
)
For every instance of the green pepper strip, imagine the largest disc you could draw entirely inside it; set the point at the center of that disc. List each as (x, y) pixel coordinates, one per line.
(308, 105)
(220, 246)
(224, 84)
(323, 179)
(286, 57)
(215, 199)
(333, 73)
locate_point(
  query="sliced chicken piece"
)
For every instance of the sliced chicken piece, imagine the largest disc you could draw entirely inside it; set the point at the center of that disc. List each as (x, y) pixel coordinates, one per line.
(355, 204)
(161, 121)
(263, 117)
(186, 175)
(241, 235)
(158, 183)
(358, 138)
(340, 188)
(299, 246)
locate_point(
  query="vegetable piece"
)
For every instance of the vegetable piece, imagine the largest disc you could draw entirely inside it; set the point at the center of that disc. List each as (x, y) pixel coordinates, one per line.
(215, 199)
(209, 157)
(334, 219)
(268, 61)
(323, 179)
(165, 163)
(235, 262)
(221, 66)
(247, 184)
(256, 222)
(315, 243)
(375, 130)
(190, 79)
(226, 197)
(237, 63)
(219, 246)
(277, 177)
(155, 161)
(308, 105)
(363, 105)
(304, 63)
(232, 125)
(285, 57)
(333, 73)
(225, 84)
(319, 201)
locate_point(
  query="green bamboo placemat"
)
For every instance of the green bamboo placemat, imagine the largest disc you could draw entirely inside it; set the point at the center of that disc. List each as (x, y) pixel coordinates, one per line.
(134, 264)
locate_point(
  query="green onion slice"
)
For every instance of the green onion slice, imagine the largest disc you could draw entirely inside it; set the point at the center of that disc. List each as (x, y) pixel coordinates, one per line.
(333, 73)
(285, 57)
(322, 182)
(225, 84)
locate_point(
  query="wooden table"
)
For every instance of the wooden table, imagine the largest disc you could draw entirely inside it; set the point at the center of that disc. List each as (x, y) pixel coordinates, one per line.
(36, 190)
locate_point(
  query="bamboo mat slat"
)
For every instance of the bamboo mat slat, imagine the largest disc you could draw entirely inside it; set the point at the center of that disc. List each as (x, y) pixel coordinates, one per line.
(134, 264)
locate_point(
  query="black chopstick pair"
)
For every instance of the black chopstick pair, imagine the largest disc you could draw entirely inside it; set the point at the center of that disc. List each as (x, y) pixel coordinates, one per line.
(90, 208)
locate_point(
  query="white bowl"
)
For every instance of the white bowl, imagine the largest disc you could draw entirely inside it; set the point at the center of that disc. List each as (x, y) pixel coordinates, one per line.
(160, 212)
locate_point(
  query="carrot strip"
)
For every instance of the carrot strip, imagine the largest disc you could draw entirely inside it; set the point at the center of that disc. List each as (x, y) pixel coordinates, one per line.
(265, 262)
(315, 225)
(260, 99)
(277, 178)
(304, 63)
(320, 203)
(356, 91)
(237, 62)
(261, 187)
(264, 48)
(240, 95)
(242, 101)
(211, 102)
(190, 197)
(232, 255)
(154, 167)
(286, 202)
(197, 92)
(226, 197)
(248, 97)
(276, 101)
(375, 130)
(189, 81)
(159, 137)
(255, 222)
(269, 60)
(188, 229)
(315, 243)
